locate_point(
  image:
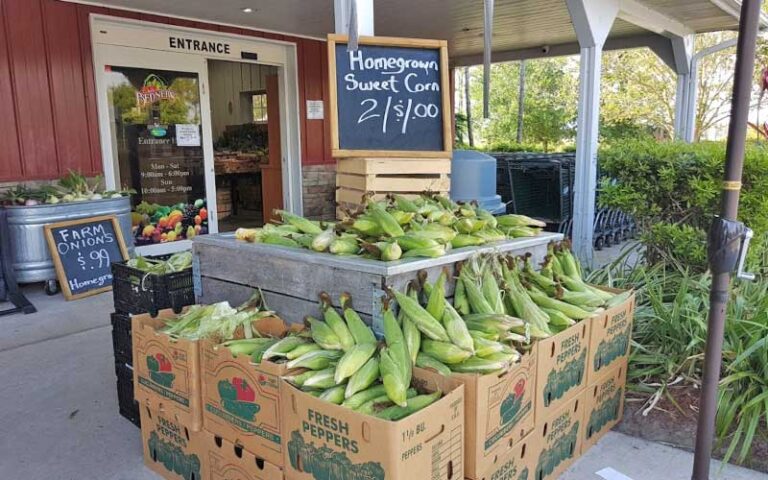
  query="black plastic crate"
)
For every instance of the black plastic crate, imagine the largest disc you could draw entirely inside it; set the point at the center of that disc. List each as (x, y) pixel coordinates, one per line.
(135, 291)
(127, 405)
(121, 338)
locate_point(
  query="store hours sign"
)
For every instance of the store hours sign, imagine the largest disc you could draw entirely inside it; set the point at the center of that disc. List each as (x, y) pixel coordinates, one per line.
(390, 97)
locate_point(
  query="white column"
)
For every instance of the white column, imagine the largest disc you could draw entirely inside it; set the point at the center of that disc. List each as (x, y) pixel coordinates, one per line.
(682, 50)
(592, 21)
(341, 9)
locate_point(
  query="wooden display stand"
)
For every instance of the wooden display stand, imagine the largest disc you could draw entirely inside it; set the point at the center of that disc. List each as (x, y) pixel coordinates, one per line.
(393, 134)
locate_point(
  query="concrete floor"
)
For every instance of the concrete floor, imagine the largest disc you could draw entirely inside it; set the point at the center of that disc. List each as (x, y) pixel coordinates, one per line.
(59, 420)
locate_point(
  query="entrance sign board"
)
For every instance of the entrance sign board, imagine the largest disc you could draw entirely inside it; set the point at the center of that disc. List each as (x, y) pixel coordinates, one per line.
(83, 251)
(389, 98)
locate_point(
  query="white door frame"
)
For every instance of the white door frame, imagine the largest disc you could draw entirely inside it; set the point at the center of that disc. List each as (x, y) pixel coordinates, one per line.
(128, 42)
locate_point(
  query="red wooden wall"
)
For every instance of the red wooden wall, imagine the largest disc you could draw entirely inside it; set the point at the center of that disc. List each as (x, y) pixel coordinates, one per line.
(48, 120)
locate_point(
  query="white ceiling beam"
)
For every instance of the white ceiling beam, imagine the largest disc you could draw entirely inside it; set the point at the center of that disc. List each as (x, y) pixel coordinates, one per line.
(733, 8)
(639, 14)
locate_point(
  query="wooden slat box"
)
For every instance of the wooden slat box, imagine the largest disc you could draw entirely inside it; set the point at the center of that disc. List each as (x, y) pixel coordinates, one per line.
(291, 279)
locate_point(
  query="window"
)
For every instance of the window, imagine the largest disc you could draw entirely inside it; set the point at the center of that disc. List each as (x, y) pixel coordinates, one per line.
(259, 103)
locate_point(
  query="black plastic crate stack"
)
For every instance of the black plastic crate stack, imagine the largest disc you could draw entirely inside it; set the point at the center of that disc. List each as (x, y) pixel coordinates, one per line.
(136, 292)
(537, 185)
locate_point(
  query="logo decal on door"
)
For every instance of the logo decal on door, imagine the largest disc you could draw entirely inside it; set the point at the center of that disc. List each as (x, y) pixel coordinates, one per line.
(153, 90)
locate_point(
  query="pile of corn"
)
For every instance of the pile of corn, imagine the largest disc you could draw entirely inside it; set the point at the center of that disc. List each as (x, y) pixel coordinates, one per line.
(500, 303)
(342, 362)
(397, 228)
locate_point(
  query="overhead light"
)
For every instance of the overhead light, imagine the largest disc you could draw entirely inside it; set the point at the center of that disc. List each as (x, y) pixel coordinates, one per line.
(247, 10)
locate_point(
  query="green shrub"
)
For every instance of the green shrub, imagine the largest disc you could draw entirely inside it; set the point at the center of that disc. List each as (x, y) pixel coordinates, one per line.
(673, 190)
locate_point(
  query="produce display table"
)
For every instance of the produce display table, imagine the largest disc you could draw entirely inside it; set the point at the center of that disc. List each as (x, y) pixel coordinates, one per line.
(290, 279)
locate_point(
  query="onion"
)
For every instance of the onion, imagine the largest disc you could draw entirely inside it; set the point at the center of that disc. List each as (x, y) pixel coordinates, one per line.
(31, 202)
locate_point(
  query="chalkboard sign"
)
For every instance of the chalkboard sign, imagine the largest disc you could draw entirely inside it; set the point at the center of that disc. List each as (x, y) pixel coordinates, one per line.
(83, 251)
(389, 98)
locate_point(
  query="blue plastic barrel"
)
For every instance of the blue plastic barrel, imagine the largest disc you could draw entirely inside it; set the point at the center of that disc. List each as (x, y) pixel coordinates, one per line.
(473, 177)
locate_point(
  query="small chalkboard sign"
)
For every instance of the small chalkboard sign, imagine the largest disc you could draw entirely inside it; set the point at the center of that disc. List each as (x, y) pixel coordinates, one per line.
(83, 251)
(389, 98)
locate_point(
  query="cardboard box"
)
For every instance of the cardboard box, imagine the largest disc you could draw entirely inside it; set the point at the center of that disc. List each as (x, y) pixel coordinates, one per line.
(227, 461)
(558, 439)
(604, 404)
(324, 440)
(241, 400)
(166, 371)
(172, 450)
(516, 464)
(610, 337)
(498, 412)
(561, 370)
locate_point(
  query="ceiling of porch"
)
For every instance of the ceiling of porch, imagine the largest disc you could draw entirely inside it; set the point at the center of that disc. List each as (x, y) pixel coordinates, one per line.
(518, 24)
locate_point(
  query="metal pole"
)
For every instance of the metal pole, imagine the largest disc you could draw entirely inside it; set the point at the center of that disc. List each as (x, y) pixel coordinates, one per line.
(521, 103)
(487, 52)
(468, 106)
(734, 161)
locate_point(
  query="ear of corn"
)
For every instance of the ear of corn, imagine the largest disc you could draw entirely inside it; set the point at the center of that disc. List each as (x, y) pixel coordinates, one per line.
(301, 350)
(323, 335)
(386, 221)
(514, 220)
(466, 240)
(391, 377)
(480, 365)
(258, 354)
(279, 240)
(304, 225)
(299, 379)
(283, 346)
(245, 346)
(371, 407)
(436, 302)
(457, 329)
(356, 400)
(334, 395)
(425, 361)
(405, 204)
(353, 360)
(337, 324)
(447, 353)
(477, 302)
(344, 246)
(412, 405)
(572, 311)
(431, 252)
(323, 240)
(396, 343)
(316, 360)
(321, 379)
(412, 337)
(484, 347)
(460, 298)
(425, 322)
(415, 242)
(359, 330)
(367, 226)
(363, 378)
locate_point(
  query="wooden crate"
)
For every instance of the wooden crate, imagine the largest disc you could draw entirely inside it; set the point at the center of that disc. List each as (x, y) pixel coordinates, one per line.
(407, 176)
(291, 279)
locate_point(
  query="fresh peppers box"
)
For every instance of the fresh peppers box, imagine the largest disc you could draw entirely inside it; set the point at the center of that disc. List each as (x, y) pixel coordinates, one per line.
(519, 463)
(166, 371)
(323, 440)
(604, 404)
(561, 368)
(241, 400)
(172, 450)
(227, 461)
(498, 412)
(558, 439)
(610, 336)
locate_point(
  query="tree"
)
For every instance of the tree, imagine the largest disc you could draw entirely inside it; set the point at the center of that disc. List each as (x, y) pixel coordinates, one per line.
(550, 102)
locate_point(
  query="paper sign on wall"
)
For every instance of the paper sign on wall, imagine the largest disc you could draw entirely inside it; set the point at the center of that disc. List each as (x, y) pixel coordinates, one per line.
(315, 110)
(187, 135)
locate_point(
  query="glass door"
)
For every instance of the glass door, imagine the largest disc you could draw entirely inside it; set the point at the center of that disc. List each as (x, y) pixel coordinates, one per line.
(157, 118)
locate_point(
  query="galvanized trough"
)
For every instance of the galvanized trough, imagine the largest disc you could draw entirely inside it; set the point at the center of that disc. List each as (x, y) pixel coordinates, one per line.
(291, 279)
(26, 224)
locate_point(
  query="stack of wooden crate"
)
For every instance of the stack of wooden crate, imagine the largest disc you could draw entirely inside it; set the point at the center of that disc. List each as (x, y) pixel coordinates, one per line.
(358, 176)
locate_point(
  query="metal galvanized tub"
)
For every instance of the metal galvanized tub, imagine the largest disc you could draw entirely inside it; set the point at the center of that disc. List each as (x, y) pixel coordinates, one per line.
(31, 259)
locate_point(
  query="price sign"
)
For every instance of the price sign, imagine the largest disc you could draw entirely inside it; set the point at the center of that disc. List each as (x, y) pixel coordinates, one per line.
(83, 251)
(389, 98)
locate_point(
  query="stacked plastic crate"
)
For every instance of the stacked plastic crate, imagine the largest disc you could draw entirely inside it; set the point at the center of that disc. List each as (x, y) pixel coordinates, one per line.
(136, 292)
